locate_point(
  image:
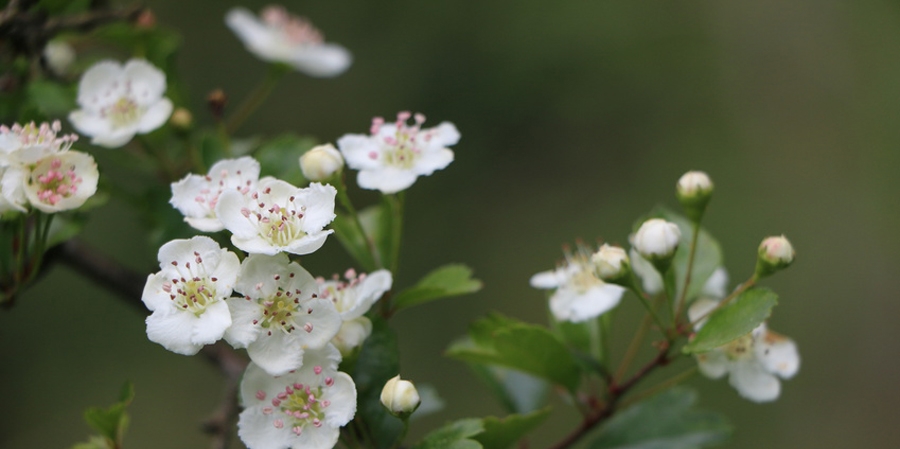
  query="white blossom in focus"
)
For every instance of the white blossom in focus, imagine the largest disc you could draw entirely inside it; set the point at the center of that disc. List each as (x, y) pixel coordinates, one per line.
(187, 296)
(303, 409)
(277, 36)
(279, 315)
(754, 363)
(579, 295)
(196, 196)
(657, 238)
(321, 162)
(395, 154)
(118, 102)
(61, 182)
(276, 217)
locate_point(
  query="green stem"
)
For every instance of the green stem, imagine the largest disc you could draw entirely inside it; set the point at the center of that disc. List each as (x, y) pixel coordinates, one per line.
(633, 348)
(635, 287)
(253, 101)
(397, 231)
(682, 299)
(402, 435)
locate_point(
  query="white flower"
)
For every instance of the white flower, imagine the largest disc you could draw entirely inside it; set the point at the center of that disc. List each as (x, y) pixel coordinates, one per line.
(400, 396)
(753, 362)
(59, 56)
(610, 262)
(303, 409)
(187, 297)
(319, 163)
(277, 36)
(29, 143)
(717, 284)
(277, 217)
(355, 297)
(579, 295)
(279, 316)
(196, 196)
(395, 154)
(657, 239)
(118, 102)
(61, 182)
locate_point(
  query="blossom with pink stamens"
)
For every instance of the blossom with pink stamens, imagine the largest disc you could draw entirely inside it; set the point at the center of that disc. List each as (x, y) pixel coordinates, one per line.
(302, 409)
(277, 36)
(196, 196)
(395, 154)
(61, 182)
(119, 101)
(29, 143)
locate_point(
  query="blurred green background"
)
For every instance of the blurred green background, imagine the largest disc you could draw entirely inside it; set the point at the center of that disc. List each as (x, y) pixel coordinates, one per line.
(576, 117)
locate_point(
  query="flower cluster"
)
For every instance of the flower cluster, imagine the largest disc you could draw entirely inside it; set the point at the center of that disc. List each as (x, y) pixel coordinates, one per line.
(37, 169)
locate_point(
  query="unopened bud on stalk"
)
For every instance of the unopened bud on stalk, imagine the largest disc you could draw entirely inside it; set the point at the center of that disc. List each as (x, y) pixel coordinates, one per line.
(775, 253)
(400, 397)
(321, 162)
(59, 56)
(182, 119)
(694, 190)
(611, 263)
(656, 240)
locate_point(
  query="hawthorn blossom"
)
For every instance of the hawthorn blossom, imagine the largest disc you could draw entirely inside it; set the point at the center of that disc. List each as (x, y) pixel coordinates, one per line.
(352, 299)
(61, 182)
(753, 362)
(277, 36)
(187, 296)
(395, 154)
(118, 102)
(276, 217)
(303, 409)
(196, 196)
(279, 316)
(579, 295)
(29, 143)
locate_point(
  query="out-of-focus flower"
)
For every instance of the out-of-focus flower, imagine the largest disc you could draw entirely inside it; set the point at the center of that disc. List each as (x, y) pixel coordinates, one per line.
(321, 162)
(276, 217)
(61, 182)
(754, 362)
(395, 154)
(352, 334)
(277, 36)
(196, 196)
(12, 192)
(400, 396)
(579, 295)
(303, 409)
(694, 190)
(187, 296)
(118, 102)
(29, 143)
(279, 315)
(59, 56)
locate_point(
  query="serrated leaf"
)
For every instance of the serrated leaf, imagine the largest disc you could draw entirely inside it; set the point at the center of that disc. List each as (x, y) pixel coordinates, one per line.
(734, 320)
(497, 340)
(665, 421)
(280, 157)
(378, 361)
(455, 435)
(503, 433)
(353, 240)
(449, 280)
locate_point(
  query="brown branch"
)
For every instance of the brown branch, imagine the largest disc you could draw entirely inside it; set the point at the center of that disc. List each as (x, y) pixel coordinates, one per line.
(89, 21)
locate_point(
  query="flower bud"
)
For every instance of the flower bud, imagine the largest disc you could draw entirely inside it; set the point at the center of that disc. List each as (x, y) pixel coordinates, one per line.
(694, 190)
(59, 56)
(657, 239)
(611, 263)
(775, 253)
(321, 162)
(182, 119)
(400, 397)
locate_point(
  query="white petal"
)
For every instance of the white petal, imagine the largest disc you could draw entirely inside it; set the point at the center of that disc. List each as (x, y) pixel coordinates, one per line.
(306, 245)
(433, 160)
(228, 209)
(255, 35)
(155, 116)
(324, 321)
(545, 279)
(352, 334)
(777, 354)
(368, 292)
(651, 280)
(184, 194)
(173, 331)
(701, 308)
(89, 124)
(342, 395)
(257, 431)
(358, 149)
(94, 89)
(211, 324)
(327, 357)
(115, 138)
(319, 202)
(154, 297)
(713, 364)
(255, 245)
(753, 382)
(277, 353)
(148, 83)
(388, 179)
(323, 60)
(446, 134)
(242, 331)
(570, 305)
(717, 284)
(258, 271)
(316, 437)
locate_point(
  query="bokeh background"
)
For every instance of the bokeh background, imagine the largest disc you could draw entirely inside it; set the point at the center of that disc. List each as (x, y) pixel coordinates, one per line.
(576, 117)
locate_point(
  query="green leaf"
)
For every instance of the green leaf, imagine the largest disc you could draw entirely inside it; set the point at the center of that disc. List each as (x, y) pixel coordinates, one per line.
(378, 361)
(111, 422)
(50, 98)
(503, 433)
(497, 340)
(517, 392)
(449, 280)
(454, 435)
(353, 240)
(665, 421)
(280, 157)
(735, 320)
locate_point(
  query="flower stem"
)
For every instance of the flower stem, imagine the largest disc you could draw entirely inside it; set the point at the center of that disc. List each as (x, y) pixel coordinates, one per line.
(397, 230)
(345, 201)
(253, 101)
(682, 299)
